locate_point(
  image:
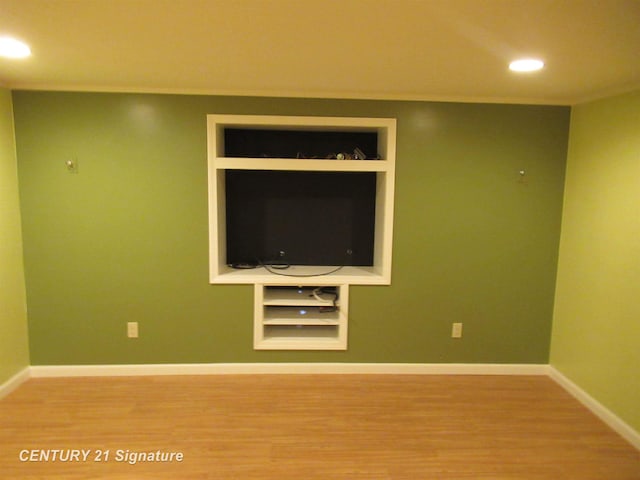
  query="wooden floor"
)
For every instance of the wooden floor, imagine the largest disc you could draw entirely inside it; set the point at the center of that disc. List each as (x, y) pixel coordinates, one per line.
(357, 427)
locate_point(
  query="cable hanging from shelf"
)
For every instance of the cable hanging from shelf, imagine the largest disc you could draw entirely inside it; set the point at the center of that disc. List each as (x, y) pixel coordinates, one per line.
(274, 270)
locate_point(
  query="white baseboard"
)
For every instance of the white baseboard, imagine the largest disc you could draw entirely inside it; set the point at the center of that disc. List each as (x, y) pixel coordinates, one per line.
(602, 412)
(289, 368)
(14, 382)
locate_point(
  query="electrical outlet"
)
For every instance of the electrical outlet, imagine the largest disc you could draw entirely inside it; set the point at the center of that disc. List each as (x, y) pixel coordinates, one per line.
(132, 329)
(456, 330)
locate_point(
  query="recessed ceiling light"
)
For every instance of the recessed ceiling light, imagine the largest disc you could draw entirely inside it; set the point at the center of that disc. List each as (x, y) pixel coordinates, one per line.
(526, 65)
(12, 48)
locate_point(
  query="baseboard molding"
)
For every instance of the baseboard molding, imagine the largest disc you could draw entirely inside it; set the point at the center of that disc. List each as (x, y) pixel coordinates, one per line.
(288, 368)
(602, 412)
(14, 382)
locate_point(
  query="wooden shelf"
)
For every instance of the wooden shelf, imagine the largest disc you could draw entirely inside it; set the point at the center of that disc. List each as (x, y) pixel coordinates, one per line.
(301, 335)
(294, 164)
(284, 317)
(308, 275)
(296, 297)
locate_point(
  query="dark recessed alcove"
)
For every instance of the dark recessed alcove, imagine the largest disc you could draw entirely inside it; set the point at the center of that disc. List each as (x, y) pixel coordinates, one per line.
(258, 143)
(300, 218)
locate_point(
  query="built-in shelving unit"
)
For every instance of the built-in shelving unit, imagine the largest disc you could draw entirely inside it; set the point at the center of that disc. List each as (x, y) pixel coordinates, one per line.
(384, 129)
(286, 315)
(301, 317)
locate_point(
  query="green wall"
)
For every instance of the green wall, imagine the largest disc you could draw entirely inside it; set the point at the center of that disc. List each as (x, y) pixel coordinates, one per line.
(596, 330)
(126, 238)
(14, 351)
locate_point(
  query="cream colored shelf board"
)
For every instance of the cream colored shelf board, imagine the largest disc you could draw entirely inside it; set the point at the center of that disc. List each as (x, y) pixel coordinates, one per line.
(294, 164)
(311, 321)
(295, 297)
(276, 122)
(292, 338)
(302, 333)
(296, 344)
(299, 315)
(312, 275)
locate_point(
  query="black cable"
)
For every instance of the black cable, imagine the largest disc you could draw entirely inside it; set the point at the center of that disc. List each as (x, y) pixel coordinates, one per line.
(319, 291)
(272, 269)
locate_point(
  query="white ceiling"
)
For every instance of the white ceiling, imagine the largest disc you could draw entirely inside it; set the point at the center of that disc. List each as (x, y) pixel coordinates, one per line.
(385, 49)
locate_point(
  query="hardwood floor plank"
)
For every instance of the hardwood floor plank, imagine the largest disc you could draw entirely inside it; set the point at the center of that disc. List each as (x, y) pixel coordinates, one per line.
(311, 426)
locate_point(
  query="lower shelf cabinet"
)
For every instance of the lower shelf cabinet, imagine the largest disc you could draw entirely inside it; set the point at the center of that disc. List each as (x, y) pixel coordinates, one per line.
(301, 318)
